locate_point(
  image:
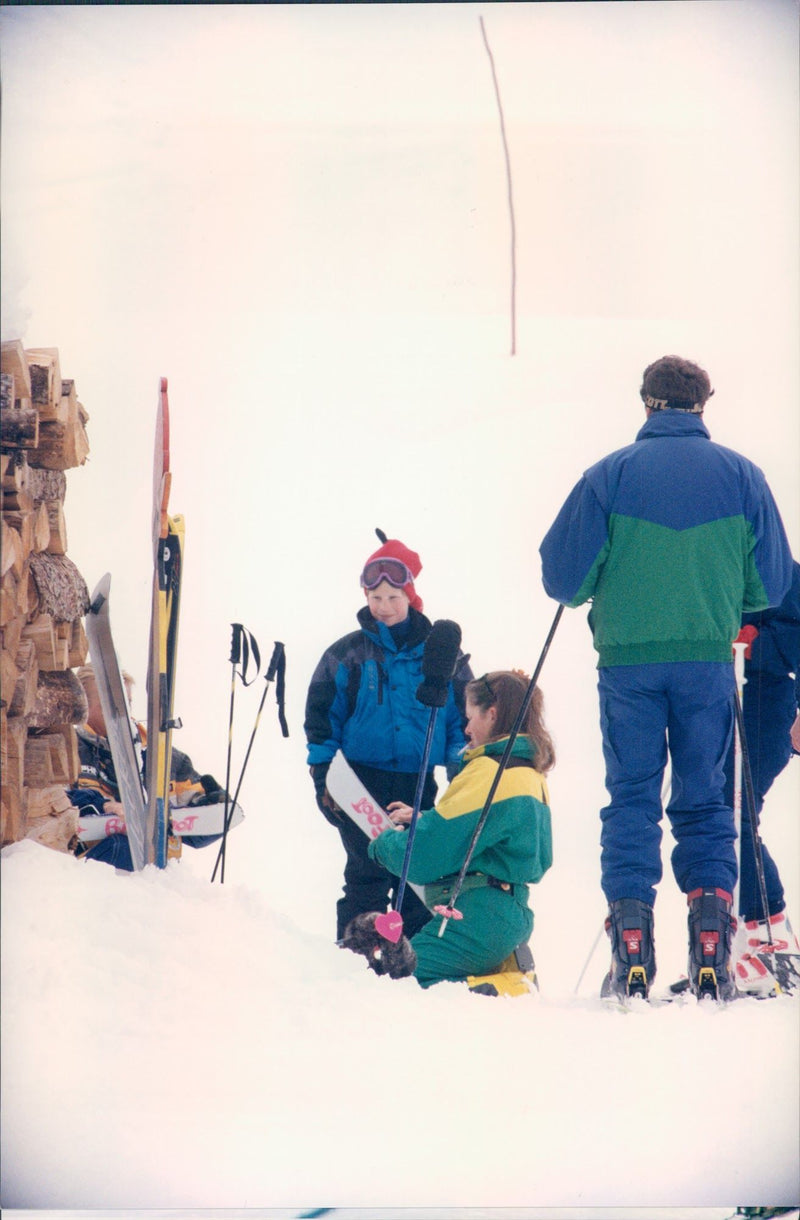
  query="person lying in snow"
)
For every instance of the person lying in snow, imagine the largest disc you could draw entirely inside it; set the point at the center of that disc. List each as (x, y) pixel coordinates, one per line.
(96, 791)
(514, 849)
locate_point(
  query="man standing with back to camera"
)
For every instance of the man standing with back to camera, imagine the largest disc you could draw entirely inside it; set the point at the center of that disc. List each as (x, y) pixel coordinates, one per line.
(671, 538)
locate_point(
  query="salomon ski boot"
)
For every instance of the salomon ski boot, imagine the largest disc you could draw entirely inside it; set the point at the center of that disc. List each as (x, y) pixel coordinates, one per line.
(633, 952)
(514, 976)
(711, 927)
(769, 952)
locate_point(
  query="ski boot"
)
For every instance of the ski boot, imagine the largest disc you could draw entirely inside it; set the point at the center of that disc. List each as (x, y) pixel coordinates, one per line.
(753, 966)
(633, 952)
(711, 927)
(514, 976)
(769, 953)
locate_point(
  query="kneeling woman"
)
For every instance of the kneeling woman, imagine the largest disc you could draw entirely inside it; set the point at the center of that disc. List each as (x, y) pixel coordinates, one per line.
(513, 851)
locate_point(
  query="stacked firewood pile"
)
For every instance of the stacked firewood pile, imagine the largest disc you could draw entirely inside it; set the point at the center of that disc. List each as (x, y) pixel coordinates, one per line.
(43, 598)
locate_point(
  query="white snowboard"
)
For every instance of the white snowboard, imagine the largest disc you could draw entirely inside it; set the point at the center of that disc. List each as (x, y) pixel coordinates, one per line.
(184, 820)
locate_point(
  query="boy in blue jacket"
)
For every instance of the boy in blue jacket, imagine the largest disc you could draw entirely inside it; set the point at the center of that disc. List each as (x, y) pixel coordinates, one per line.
(362, 701)
(672, 539)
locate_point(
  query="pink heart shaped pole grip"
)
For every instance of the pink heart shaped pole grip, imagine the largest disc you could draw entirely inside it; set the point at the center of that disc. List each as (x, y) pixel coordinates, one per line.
(390, 925)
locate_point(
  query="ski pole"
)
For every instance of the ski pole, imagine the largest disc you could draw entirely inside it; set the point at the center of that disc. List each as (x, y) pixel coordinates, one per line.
(751, 807)
(276, 665)
(665, 789)
(412, 826)
(239, 644)
(449, 912)
(438, 666)
(739, 651)
(589, 958)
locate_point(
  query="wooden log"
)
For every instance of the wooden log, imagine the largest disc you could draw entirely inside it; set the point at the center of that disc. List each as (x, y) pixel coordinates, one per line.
(78, 645)
(60, 699)
(62, 591)
(45, 373)
(41, 529)
(13, 554)
(12, 760)
(23, 523)
(9, 675)
(6, 391)
(18, 501)
(22, 697)
(61, 445)
(47, 759)
(19, 428)
(73, 754)
(12, 360)
(12, 814)
(16, 472)
(41, 633)
(52, 752)
(78, 447)
(27, 594)
(11, 634)
(56, 527)
(48, 802)
(57, 832)
(9, 596)
(46, 485)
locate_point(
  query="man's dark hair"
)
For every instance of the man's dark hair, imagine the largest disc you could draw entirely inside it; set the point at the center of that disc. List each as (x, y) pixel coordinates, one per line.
(675, 384)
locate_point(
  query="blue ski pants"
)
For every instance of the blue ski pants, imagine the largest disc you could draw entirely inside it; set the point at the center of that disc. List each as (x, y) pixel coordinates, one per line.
(686, 707)
(768, 708)
(114, 850)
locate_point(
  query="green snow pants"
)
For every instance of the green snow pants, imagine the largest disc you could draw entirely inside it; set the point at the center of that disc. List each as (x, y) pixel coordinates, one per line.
(494, 924)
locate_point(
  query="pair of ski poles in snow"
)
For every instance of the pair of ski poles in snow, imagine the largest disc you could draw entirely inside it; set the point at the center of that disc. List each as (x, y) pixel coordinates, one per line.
(242, 643)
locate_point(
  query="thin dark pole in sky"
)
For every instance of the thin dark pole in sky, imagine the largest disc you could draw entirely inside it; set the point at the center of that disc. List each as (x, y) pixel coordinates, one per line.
(510, 195)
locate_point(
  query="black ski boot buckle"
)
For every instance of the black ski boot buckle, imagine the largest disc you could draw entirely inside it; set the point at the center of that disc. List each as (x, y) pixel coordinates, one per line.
(707, 987)
(637, 982)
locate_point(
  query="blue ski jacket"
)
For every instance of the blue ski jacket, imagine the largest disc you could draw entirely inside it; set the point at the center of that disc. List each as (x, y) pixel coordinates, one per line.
(775, 651)
(362, 700)
(673, 537)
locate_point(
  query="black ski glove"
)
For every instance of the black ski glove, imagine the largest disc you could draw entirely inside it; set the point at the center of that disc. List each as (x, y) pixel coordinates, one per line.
(212, 794)
(325, 802)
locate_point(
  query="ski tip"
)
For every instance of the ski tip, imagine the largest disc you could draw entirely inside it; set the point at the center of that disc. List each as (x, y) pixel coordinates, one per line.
(100, 593)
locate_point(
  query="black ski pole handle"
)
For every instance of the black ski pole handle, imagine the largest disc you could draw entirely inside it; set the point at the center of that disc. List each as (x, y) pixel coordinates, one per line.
(275, 660)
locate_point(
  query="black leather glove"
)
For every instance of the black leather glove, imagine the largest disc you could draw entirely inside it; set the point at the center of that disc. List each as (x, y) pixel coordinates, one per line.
(325, 802)
(212, 794)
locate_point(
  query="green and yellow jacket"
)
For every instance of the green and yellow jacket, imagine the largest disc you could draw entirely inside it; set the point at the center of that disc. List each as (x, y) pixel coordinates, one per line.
(515, 844)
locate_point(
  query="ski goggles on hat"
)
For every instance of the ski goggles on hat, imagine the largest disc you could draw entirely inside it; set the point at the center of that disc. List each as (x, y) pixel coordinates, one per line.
(389, 569)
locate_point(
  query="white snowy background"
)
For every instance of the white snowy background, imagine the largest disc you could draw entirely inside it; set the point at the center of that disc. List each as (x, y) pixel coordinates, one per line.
(298, 214)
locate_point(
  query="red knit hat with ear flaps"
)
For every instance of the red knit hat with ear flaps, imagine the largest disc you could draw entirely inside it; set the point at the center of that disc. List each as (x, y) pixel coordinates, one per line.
(392, 548)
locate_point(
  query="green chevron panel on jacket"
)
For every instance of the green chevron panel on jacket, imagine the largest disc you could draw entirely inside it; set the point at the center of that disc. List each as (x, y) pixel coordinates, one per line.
(663, 594)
